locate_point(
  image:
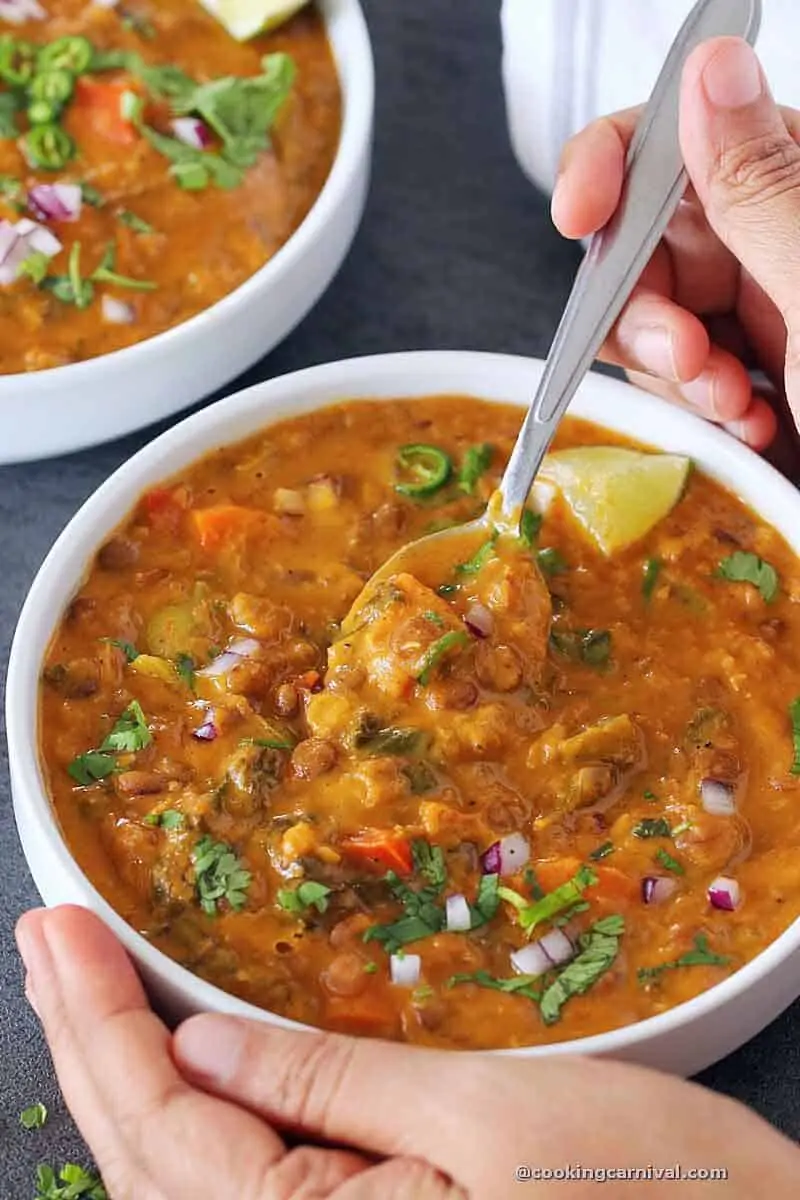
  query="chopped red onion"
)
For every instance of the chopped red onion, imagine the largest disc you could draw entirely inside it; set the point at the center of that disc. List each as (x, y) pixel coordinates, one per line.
(206, 732)
(718, 797)
(506, 856)
(478, 620)
(724, 893)
(553, 950)
(224, 663)
(116, 312)
(405, 969)
(531, 960)
(192, 132)
(558, 947)
(55, 201)
(657, 888)
(458, 916)
(17, 12)
(18, 241)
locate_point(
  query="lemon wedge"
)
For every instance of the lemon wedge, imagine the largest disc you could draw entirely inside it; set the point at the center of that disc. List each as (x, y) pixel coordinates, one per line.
(244, 19)
(617, 495)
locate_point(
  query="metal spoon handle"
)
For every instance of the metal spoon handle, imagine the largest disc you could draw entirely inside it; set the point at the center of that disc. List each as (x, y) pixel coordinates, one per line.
(654, 183)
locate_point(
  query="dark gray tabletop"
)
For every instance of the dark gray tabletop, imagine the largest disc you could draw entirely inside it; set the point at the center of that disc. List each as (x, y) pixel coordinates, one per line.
(456, 251)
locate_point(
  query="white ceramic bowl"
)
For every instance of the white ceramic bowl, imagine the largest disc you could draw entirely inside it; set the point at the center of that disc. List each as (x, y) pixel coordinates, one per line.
(44, 413)
(683, 1040)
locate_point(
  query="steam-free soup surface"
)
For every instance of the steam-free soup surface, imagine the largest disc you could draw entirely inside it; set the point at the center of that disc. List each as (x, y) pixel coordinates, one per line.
(544, 752)
(149, 165)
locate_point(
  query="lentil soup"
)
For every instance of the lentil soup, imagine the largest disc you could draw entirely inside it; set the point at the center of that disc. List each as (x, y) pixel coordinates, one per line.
(149, 165)
(536, 795)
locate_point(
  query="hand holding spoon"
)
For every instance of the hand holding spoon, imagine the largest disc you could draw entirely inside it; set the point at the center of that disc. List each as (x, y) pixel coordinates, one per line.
(654, 182)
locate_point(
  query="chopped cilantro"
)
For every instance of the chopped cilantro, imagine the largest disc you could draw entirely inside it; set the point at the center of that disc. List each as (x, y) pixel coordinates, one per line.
(437, 651)
(599, 947)
(652, 570)
(91, 196)
(648, 795)
(127, 648)
(590, 646)
(652, 827)
(744, 567)
(602, 851)
(12, 190)
(71, 288)
(669, 862)
(71, 1182)
(137, 224)
(478, 560)
(794, 717)
(9, 107)
(477, 461)
(487, 900)
(429, 863)
(137, 24)
(184, 665)
(370, 968)
(34, 1117)
(270, 743)
(422, 914)
(421, 777)
(91, 767)
(521, 985)
(700, 956)
(169, 819)
(104, 273)
(306, 895)
(447, 589)
(551, 561)
(193, 169)
(130, 732)
(34, 267)
(219, 875)
(529, 526)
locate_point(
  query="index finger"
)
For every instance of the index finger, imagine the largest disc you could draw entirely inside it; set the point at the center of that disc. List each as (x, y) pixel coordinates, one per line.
(101, 1030)
(592, 167)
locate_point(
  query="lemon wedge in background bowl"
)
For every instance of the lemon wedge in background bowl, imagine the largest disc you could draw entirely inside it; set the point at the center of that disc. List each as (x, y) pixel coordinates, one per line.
(245, 19)
(616, 495)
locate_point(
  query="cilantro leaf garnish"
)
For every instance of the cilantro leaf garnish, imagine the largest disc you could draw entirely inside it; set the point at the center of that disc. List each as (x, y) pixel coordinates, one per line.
(487, 900)
(130, 732)
(71, 1182)
(699, 956)
(529, 526)
(169, 819)
(794, 717)
(477, 461)
(134, 222)
(437, 651)
(92, 196)
(306, 895)
(33, 1117)
(184, 666)
(667, 860)
(71, 288)
(422, 914)
(652, 570)
(127, 648)
(9, 107)
(744, 567)
(602, 851)
(429, 863)
(219, 875)
(478, 560)
(104, 273)
(520, 985)
(599, 947)
(551, 561)
(92, 767)
(652, 827)
(590, 646)
(193, 169)
(34, 267)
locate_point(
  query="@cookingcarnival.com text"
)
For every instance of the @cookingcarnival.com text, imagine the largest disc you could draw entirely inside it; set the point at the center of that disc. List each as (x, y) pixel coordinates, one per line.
(526, 1173)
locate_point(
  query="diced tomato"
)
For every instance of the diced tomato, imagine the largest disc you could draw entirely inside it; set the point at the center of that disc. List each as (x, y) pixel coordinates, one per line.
(163, 509)
(380, 849)
(103, 102)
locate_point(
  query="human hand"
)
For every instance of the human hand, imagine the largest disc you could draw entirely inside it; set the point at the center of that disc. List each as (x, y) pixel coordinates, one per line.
(196, 1114)
(723, 287)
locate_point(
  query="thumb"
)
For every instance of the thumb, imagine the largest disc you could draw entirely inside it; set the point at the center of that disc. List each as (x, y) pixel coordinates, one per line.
(386, 1099)
(745, 168)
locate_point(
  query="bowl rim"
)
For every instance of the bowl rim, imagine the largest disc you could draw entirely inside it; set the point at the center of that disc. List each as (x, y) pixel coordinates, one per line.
(348, 36)
(374, 377)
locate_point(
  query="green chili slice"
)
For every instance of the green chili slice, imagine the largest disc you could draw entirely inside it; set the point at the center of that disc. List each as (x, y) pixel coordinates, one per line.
(73, 54)
(17, 61)
(42, 113)
(52, 87)
(48, 147)
(427, 467)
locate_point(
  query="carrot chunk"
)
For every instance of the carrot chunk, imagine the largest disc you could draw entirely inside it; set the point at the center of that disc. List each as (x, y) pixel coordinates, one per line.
(103, 103)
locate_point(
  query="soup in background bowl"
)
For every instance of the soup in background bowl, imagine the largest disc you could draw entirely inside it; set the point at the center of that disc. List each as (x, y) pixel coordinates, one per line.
(545, 801)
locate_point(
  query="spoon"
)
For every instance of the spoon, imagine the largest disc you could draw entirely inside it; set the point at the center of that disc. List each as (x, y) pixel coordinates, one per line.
(654, 183)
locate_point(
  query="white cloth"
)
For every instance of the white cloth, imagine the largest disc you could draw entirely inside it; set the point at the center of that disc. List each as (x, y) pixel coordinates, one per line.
(566, 62)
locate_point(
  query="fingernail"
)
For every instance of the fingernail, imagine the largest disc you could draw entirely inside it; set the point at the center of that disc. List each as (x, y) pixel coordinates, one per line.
(554, 199)
(35, 955)
(652, 347)
(210, 1047)
(732, 77)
